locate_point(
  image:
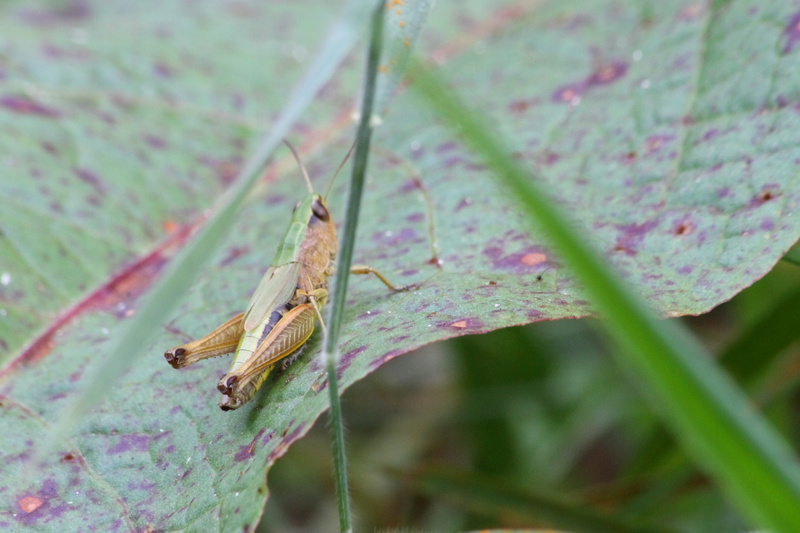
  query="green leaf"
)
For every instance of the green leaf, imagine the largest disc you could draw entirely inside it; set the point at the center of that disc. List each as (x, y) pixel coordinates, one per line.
(713, 418)
(669, 133)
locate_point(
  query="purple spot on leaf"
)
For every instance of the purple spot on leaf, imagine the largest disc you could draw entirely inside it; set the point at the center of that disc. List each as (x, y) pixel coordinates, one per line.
(368, 315)
(233, 254)
(569, 94)
(293, 436)
(128, 443)
(24, 106)
(608, 74)
(276, 199)
(692, 11)
(631, 236)
(375, 363)
(347, 359)
(238, 101)
(792, 33)
(408, 186)
(162, 70)
(548, 157)
(42, 505)
(89, 177)
(530, 260)
(246, 452)
(654, 142)
(452, 161)
(226, 169)
(520, 106)
(50, 148)
(445, 147)
(391, 239)
(154, 141)
(684, 227)
(534, 314)
(70, 11)
(464, 202)
(766, 194)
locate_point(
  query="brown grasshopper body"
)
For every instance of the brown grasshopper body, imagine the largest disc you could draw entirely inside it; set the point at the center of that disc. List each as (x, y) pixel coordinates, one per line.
(283, 309)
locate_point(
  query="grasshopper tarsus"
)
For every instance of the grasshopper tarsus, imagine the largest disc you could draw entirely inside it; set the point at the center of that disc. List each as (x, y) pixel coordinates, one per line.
(291, 358)
(174, 357)
(409, 288)
(226, 407)
(224, 386)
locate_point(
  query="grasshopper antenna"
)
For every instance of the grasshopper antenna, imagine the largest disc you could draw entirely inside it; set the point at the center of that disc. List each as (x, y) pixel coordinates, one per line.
(350, 151)
(303, 168)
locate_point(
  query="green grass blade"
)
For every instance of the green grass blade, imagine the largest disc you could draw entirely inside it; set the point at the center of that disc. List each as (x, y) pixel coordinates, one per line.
(707, 413)
(345, 256)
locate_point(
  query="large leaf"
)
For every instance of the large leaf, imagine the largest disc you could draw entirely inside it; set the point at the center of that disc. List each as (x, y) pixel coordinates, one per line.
(669, 130)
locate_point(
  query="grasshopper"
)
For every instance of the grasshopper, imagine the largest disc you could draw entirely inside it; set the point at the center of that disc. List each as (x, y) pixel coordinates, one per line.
(283, 310)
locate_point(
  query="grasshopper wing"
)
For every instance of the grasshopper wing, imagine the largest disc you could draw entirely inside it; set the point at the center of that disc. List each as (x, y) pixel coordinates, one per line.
(275, 289)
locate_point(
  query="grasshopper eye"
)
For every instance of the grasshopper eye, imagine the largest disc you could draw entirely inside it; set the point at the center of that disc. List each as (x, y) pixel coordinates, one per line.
(320, 211)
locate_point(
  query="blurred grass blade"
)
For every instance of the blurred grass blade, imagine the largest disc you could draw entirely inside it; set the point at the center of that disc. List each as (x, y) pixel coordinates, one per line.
(479, 494)
(135, 336)
(403, 24)
(707, 413)
(747, 358)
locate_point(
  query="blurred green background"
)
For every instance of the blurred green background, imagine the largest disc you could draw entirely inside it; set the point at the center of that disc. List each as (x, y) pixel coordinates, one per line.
(536, 425)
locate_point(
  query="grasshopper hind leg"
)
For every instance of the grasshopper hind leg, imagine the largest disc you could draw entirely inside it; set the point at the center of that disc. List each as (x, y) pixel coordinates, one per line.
(219, 342)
